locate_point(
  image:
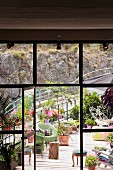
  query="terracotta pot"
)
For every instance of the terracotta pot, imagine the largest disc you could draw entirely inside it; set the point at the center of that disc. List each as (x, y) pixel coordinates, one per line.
(31, 139)
(63, 140)
(7, 128)
(18, 123)
(91, 168)
(74, 128)
(13, 165)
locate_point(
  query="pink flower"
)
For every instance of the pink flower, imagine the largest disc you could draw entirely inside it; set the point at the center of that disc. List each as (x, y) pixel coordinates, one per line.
(25, 126)
(50, 114)
(14, 111)
(46, 111)
(54, 112)
(31, 112)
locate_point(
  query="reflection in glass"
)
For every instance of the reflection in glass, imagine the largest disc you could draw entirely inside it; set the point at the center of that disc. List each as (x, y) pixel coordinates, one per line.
(96, 114)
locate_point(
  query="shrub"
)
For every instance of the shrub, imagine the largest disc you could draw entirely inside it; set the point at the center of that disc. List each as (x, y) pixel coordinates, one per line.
(91, 160)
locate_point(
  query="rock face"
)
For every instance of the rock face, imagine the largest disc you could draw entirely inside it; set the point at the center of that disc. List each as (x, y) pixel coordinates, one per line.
(14, 93)
(58, 67)
(96, 61)
(61, 66)
(16, 66)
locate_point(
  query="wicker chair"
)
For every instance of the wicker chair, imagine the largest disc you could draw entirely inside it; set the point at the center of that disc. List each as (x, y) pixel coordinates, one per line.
(39, 143)
(46, 126)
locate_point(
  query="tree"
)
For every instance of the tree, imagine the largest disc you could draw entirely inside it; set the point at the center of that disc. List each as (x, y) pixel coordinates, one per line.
(90, 100)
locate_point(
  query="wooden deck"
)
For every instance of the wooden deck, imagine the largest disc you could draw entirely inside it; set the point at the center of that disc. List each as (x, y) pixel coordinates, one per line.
(65, 156)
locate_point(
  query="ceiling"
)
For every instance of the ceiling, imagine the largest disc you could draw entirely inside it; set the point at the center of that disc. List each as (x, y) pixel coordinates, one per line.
(68, 15)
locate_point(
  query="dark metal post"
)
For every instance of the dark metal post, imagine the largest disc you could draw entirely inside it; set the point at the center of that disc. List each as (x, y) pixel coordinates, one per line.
(22, 129)
(67, 109)
(34, 128)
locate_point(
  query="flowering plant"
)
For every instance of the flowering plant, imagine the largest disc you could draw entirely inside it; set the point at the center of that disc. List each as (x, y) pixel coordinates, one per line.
(51, 114)
(91, 160)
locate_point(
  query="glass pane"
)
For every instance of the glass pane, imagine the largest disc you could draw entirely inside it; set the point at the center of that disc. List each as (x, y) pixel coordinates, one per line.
(97, 107)
(29, 128)
(97, 63)
(57, 65)
(57, 110)
(11, 109)
(16, 64)
(10, 151)
(97, 145)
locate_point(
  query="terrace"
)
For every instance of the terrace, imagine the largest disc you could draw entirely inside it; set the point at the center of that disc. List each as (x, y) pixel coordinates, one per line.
(64, 157)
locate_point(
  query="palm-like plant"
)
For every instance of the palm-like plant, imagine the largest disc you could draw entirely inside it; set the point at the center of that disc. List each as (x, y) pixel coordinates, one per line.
(8, 153)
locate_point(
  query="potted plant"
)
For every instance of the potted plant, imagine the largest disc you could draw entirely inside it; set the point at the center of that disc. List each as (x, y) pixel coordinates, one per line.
(74, 112)
(90, 100)
(31, 138)
(91, 161)
(63, 134)
(109, 138)
(73, 124)
(8, 156)
(89, 123)
(41, 116)
(99, 148)
(18, 115)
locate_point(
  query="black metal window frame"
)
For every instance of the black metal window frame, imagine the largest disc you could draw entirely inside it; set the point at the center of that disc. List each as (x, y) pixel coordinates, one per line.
(34, 84)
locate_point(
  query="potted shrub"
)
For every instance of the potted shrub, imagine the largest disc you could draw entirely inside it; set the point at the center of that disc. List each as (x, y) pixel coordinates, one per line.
(74, 112)
(109, 138)
(91, 161)
(8, 156)
(63, 134)
(89, 123)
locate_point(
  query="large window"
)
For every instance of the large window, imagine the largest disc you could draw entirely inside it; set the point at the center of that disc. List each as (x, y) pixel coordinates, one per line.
(69, 79)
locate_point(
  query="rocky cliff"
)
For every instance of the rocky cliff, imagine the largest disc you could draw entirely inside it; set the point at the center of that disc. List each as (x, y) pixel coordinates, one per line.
(96, 60)
(57, 66)
(16, 65)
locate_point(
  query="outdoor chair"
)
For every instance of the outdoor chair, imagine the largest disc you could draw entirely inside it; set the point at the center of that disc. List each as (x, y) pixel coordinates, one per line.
(105, 156)
(49, 131)
(99, 117)
(39, 143)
